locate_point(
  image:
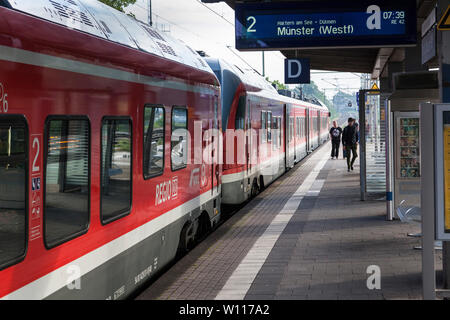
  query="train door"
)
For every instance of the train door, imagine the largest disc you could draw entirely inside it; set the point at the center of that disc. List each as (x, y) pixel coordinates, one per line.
(319, 128)
(286, 138)
(304, 133)
(214, 144)
(288, 125)
(307, 132)
(294, 137)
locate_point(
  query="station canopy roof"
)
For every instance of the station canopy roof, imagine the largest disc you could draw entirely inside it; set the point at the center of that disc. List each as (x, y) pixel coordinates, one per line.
(371, 60)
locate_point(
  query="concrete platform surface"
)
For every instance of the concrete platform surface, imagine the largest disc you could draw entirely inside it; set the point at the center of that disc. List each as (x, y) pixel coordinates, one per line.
(307, 236)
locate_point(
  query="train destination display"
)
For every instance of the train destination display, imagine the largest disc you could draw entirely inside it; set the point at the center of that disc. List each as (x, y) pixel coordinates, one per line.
(278, 25)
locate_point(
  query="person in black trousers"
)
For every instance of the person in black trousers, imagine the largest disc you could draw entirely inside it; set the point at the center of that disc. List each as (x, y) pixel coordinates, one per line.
(335, 134)
(350, 142)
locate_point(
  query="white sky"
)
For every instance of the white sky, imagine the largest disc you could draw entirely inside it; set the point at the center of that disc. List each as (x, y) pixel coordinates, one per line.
(210, 27)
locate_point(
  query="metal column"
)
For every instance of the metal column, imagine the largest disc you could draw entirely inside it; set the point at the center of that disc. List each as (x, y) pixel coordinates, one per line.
(362, 142)
(389, 163)
(427, 200)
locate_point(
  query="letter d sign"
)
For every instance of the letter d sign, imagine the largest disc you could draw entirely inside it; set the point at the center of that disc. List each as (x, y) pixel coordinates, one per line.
(296, 71)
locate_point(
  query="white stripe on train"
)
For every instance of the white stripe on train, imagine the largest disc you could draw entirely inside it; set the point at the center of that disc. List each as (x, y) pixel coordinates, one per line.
(47, 61)
(57, 279)
(238, 176)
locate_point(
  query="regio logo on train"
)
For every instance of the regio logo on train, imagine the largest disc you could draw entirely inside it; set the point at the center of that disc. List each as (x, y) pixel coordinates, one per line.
(167, 190)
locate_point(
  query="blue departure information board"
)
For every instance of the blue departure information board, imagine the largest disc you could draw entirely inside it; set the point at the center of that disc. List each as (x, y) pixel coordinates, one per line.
(281, 25)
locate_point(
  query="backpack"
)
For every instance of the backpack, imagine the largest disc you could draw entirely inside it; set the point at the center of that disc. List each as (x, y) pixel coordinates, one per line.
(354, 137)
(350, 135)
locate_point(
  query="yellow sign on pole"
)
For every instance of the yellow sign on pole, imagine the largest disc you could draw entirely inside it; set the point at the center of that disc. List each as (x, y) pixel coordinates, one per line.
(444, 23)
(375, 87)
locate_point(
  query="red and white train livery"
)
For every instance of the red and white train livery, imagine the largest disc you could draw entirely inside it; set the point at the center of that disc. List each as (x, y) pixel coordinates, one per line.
(279, 131)
(98, 187)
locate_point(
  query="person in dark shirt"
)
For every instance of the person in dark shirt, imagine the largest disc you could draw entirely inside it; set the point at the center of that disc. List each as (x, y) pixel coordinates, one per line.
(350, 142)
(335, 134)
(357, 130)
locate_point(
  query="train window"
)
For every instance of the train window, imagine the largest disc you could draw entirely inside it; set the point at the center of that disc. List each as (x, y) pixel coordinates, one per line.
(275, 133)
(279, 131)
(300, 122)
(116, 177)
(269, 126)
(179, 145)
(302, 127)
(67, 182)
(13, 184)
(263, 126)
(305, 126)
(291, 128)
(240, 114)
(154, 120)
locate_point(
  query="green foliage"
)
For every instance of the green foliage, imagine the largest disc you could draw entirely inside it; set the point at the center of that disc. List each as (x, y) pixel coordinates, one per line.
(279, 85)
(123, 145)
(118, 4)
(312, 91)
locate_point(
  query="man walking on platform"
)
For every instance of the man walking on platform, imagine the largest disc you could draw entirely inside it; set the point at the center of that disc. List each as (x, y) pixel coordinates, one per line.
(335, 134)
(350, 142)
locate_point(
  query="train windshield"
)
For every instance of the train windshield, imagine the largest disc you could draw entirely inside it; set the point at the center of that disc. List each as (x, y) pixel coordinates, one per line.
(13, 164)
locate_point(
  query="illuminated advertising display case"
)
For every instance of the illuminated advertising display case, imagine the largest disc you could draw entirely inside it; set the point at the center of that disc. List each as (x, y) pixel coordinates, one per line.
(406, 160)
(409, 147)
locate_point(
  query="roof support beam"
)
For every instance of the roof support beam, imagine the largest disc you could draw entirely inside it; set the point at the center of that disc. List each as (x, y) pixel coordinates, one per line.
(382, 58)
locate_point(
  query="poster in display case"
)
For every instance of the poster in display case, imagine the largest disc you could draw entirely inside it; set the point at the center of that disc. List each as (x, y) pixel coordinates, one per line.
(409, 144)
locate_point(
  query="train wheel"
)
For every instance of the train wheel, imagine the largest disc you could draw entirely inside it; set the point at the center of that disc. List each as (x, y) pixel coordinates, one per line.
(204, 226)
(255, 188)
(261, 183)
(187, 237)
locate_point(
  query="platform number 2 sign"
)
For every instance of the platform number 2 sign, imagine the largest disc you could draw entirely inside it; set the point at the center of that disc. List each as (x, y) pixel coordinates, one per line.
(252, 21)
(3, 99)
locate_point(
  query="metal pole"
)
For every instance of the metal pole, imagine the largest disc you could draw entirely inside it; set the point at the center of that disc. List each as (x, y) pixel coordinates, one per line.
(389, 162)
(263, 66)
(427, 200)
(362, 143)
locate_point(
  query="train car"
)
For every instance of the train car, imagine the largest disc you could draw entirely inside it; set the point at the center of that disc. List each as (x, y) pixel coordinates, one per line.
(97, 190)
(278, 131)
(300, 136)
(305, 126)
(324, 125)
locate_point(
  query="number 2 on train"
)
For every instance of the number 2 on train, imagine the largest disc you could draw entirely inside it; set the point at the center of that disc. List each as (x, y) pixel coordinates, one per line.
(36, 146)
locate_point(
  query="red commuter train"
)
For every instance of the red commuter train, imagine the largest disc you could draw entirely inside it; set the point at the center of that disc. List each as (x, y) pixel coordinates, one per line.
(92, 202)
(279, 131)
(97, 188)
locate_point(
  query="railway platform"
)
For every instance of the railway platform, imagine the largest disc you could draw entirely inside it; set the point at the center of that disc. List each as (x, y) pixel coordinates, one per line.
(306, 236)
